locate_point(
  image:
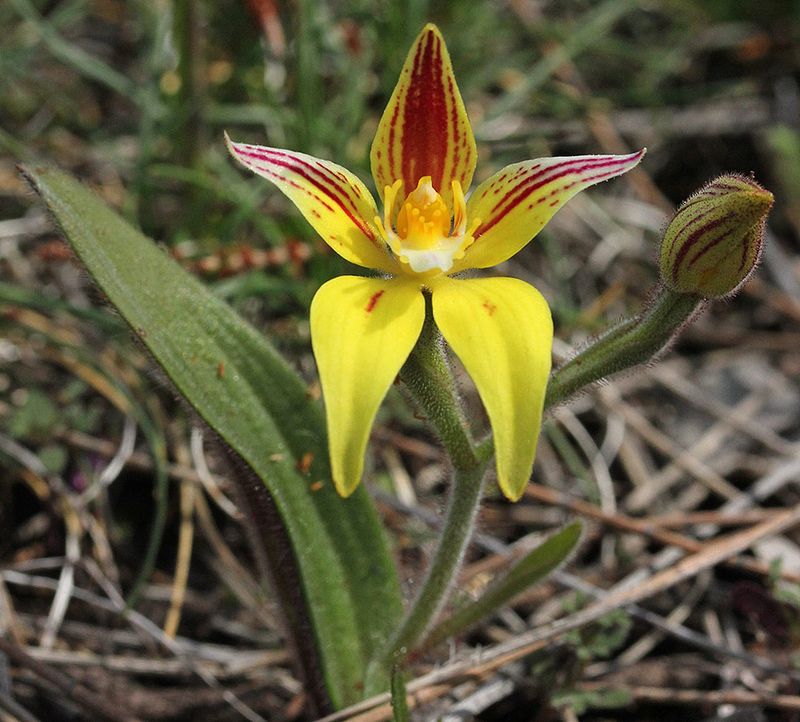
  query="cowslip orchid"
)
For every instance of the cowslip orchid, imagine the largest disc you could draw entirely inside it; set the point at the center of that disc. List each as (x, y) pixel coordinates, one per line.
(363, 328)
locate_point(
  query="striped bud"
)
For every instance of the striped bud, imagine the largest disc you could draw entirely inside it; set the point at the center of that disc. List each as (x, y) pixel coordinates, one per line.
(714, 241)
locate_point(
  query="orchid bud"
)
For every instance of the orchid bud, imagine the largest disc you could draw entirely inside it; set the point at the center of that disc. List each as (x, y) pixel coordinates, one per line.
(714, 241)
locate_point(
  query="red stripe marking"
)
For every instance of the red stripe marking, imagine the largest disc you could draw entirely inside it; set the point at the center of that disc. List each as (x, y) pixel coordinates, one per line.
(694, 219)
(391, 169)
(425, 117)
(715, 187)
(295, 184)
(743, 259)
(497, 186)
(530, 184)
(534, 182)
(331, 179)
(692, 239)
(454, 156)
(707, 248)
(756, 248)
(337, 179)
(373, 301)
(330, 188)
(439, 102)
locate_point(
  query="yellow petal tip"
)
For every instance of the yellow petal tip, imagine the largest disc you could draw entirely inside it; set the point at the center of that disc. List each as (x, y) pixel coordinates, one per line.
(229, 143)
(510, 493)
(345, 489)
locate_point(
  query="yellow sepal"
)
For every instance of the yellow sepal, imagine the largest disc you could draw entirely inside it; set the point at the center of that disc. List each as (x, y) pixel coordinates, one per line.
(362, 330)
(502, 331)
(332, 199)
(514, 204)
(424, 130)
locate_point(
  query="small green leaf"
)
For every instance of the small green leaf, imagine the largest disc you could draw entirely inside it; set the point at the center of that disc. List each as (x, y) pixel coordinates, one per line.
(579, 701)
(54, 457)
(529, 570)
(600, 639)
(259, 407)
(36, 418)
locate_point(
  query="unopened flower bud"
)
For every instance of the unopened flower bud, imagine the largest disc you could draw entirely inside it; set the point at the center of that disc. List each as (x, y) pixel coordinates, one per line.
(714, 241)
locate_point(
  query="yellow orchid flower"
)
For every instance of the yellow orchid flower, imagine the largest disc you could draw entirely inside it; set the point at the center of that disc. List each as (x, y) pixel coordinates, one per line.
(363, 329)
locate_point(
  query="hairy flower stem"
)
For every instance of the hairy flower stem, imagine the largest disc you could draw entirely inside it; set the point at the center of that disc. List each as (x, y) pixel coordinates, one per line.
(426, 373)
(632, 342)
(428, 377)
(399, 694)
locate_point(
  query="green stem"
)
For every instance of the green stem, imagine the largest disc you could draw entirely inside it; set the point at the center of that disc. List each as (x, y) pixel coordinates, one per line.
(526, 572)
(188, 35)
(632, 342)
(310, 94)
(428, 377)
(399, 701)
(189, 133)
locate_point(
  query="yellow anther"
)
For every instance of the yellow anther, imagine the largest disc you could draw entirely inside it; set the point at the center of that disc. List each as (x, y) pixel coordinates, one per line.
(389, 197)
(424, 218)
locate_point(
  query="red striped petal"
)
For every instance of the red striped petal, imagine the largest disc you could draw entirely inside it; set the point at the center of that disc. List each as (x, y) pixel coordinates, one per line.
(333, 200)
(514, 204)
(424, 130)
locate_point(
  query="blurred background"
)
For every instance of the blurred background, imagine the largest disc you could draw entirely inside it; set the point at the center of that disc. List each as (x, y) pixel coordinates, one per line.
(107, 498)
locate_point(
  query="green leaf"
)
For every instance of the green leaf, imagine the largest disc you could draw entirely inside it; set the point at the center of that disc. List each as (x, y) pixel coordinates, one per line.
(529, 570)
(54, 457)
(579, 701)
(37, 417)
(259, 407)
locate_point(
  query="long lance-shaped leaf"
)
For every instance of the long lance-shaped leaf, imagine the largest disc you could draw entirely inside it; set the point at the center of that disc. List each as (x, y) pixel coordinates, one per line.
(259, 407)
(529, 570)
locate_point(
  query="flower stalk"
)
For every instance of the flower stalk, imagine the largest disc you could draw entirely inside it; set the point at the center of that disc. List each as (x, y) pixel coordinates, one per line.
(633, 341)
(427, 375)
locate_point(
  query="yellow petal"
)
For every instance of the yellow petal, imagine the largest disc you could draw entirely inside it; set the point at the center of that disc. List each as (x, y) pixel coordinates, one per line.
(514, 204)
(502, 331)
(424, 129)
(333, 200)
(362, 330)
